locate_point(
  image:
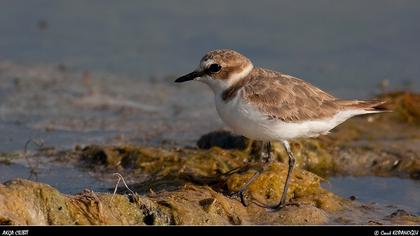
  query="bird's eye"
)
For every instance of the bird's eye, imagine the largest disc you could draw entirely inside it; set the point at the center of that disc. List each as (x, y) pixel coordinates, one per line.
(214, 68)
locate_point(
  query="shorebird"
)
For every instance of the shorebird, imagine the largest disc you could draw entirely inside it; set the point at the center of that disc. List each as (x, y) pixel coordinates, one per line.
(266, 105)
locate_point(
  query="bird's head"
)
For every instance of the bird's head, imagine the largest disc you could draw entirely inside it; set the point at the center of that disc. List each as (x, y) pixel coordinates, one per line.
(220, 69)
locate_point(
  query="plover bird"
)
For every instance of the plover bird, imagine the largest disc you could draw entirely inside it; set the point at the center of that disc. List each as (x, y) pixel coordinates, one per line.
(266, 105)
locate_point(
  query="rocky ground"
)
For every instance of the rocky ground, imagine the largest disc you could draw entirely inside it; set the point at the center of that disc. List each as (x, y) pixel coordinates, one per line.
(185, 185)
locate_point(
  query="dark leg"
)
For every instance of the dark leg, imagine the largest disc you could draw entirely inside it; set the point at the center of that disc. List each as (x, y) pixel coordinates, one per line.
(241, 192)
(269, 157)
(237, 169)
(259, 170)
(289, 174)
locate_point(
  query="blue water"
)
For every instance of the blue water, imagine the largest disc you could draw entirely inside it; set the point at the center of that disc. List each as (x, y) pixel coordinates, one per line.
(345, 47)
(387, 191)
(66, 179)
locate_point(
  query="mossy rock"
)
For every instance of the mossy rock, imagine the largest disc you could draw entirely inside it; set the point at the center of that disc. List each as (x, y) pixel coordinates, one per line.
(268, 187)
(25, 202)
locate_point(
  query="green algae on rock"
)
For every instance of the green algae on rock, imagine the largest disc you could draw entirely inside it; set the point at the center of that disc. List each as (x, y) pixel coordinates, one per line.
(24, 202)
(406, 106)
(165, 162)
(191, 202)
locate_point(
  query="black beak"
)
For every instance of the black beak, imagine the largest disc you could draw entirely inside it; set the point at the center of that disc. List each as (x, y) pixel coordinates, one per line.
(188, 77)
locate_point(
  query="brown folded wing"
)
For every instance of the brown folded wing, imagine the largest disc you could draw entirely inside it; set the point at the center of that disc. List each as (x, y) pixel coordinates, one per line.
(287, 98)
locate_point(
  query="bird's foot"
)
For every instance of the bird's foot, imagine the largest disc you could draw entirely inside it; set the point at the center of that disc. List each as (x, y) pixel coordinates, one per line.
(241, 192)
(241, 195)
(259, 169)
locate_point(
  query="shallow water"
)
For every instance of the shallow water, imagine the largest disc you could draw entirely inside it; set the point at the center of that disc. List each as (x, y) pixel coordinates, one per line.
(17, 136)
(66, 179)
(63, 108)
(387, 191)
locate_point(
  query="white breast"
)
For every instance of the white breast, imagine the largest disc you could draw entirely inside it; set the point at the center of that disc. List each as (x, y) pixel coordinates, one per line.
(242, 118)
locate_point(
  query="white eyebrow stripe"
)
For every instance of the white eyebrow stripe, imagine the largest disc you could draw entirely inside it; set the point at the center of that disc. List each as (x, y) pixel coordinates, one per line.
(237, 76)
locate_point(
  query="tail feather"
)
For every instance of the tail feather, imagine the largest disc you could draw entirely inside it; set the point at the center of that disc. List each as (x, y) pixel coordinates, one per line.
(370, 106)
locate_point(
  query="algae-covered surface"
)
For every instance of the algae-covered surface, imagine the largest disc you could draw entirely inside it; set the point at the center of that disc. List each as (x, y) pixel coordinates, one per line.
(60, 154)
(182, 186)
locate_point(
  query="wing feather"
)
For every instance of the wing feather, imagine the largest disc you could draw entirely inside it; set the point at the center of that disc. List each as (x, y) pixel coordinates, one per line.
(288, 98)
